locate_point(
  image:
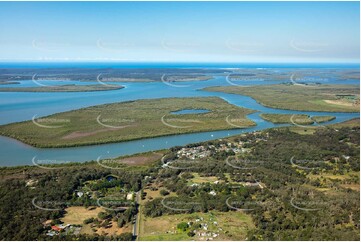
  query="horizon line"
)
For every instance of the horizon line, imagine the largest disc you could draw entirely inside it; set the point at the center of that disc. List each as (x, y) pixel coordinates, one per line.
(179, 62)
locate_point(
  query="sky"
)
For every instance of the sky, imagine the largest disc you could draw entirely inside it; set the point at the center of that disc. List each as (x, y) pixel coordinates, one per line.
(180, 31)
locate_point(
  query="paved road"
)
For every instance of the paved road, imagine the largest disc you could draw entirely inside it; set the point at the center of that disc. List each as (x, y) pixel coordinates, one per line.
(136, 217)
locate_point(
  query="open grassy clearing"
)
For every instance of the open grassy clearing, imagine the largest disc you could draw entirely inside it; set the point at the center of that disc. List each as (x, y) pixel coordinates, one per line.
(301, 119)
(62, 88)
(306, 131)
(294, 97)
(202, 179)
(112, 230)
(127, 121)
(143, 159)
(349, 180)
(332, 176)
(353, 186)
(228, 226)
(152, 194)
(77, 214)
(287, 118)
(312, 129)
(322, 119)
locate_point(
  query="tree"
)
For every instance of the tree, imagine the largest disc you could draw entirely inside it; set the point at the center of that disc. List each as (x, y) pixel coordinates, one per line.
(121, 222)
(88, 220)
(102, 215)
(183, 226)
(164, 192)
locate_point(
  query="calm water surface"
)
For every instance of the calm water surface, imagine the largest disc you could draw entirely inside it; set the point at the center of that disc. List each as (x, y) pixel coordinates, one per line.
(15, 107)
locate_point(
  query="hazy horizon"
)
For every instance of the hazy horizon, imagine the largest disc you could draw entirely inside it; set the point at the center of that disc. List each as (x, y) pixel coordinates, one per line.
(197, 32)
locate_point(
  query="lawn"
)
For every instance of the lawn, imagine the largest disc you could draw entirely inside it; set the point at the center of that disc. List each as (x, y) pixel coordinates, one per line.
(127, 121)
(202, 179)
(294, 97)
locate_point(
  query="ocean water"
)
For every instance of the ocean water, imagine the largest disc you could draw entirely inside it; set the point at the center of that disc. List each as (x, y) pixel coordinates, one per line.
(171, 65)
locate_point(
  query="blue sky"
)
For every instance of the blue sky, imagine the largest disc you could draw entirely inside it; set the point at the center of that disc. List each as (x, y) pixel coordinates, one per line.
(180, 31)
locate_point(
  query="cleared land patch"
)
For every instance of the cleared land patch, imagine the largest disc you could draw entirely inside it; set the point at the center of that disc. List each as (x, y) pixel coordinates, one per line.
(136, 160)
(340, 102)
(222, 225)
(77, 214)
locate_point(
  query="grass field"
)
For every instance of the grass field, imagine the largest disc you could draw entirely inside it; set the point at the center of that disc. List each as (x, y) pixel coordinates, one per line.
(348, 180)
(301, 119)
(77, 214)
(142, 159)
(227, 226)
(63, 88)
(202, 179)
(322, 119)
(127, 121)
(113, 230)
(294, 97)
(312, 129)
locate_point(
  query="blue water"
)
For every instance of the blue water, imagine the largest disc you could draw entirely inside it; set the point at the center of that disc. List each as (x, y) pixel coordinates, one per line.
(15, 107)
(172, 65)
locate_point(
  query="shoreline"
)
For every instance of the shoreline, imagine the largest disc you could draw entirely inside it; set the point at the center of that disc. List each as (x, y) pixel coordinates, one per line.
(94, 162)
(63, 88)
(209, 89)
(115, 142)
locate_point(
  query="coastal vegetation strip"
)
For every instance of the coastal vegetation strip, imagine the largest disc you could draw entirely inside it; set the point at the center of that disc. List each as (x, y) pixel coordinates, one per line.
(301, 119)
(128, 121)
(109, 74)
(323, 98)
(63, 88)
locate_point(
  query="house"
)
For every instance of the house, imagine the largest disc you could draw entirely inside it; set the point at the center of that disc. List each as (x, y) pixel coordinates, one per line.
(56, 228)
(62, 226)
(213, 193)
(51, 233)
(129, 196)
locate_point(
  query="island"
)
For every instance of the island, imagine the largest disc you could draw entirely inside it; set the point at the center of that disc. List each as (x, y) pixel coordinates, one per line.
(129, 120)
(322, 98)
(63, 88)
